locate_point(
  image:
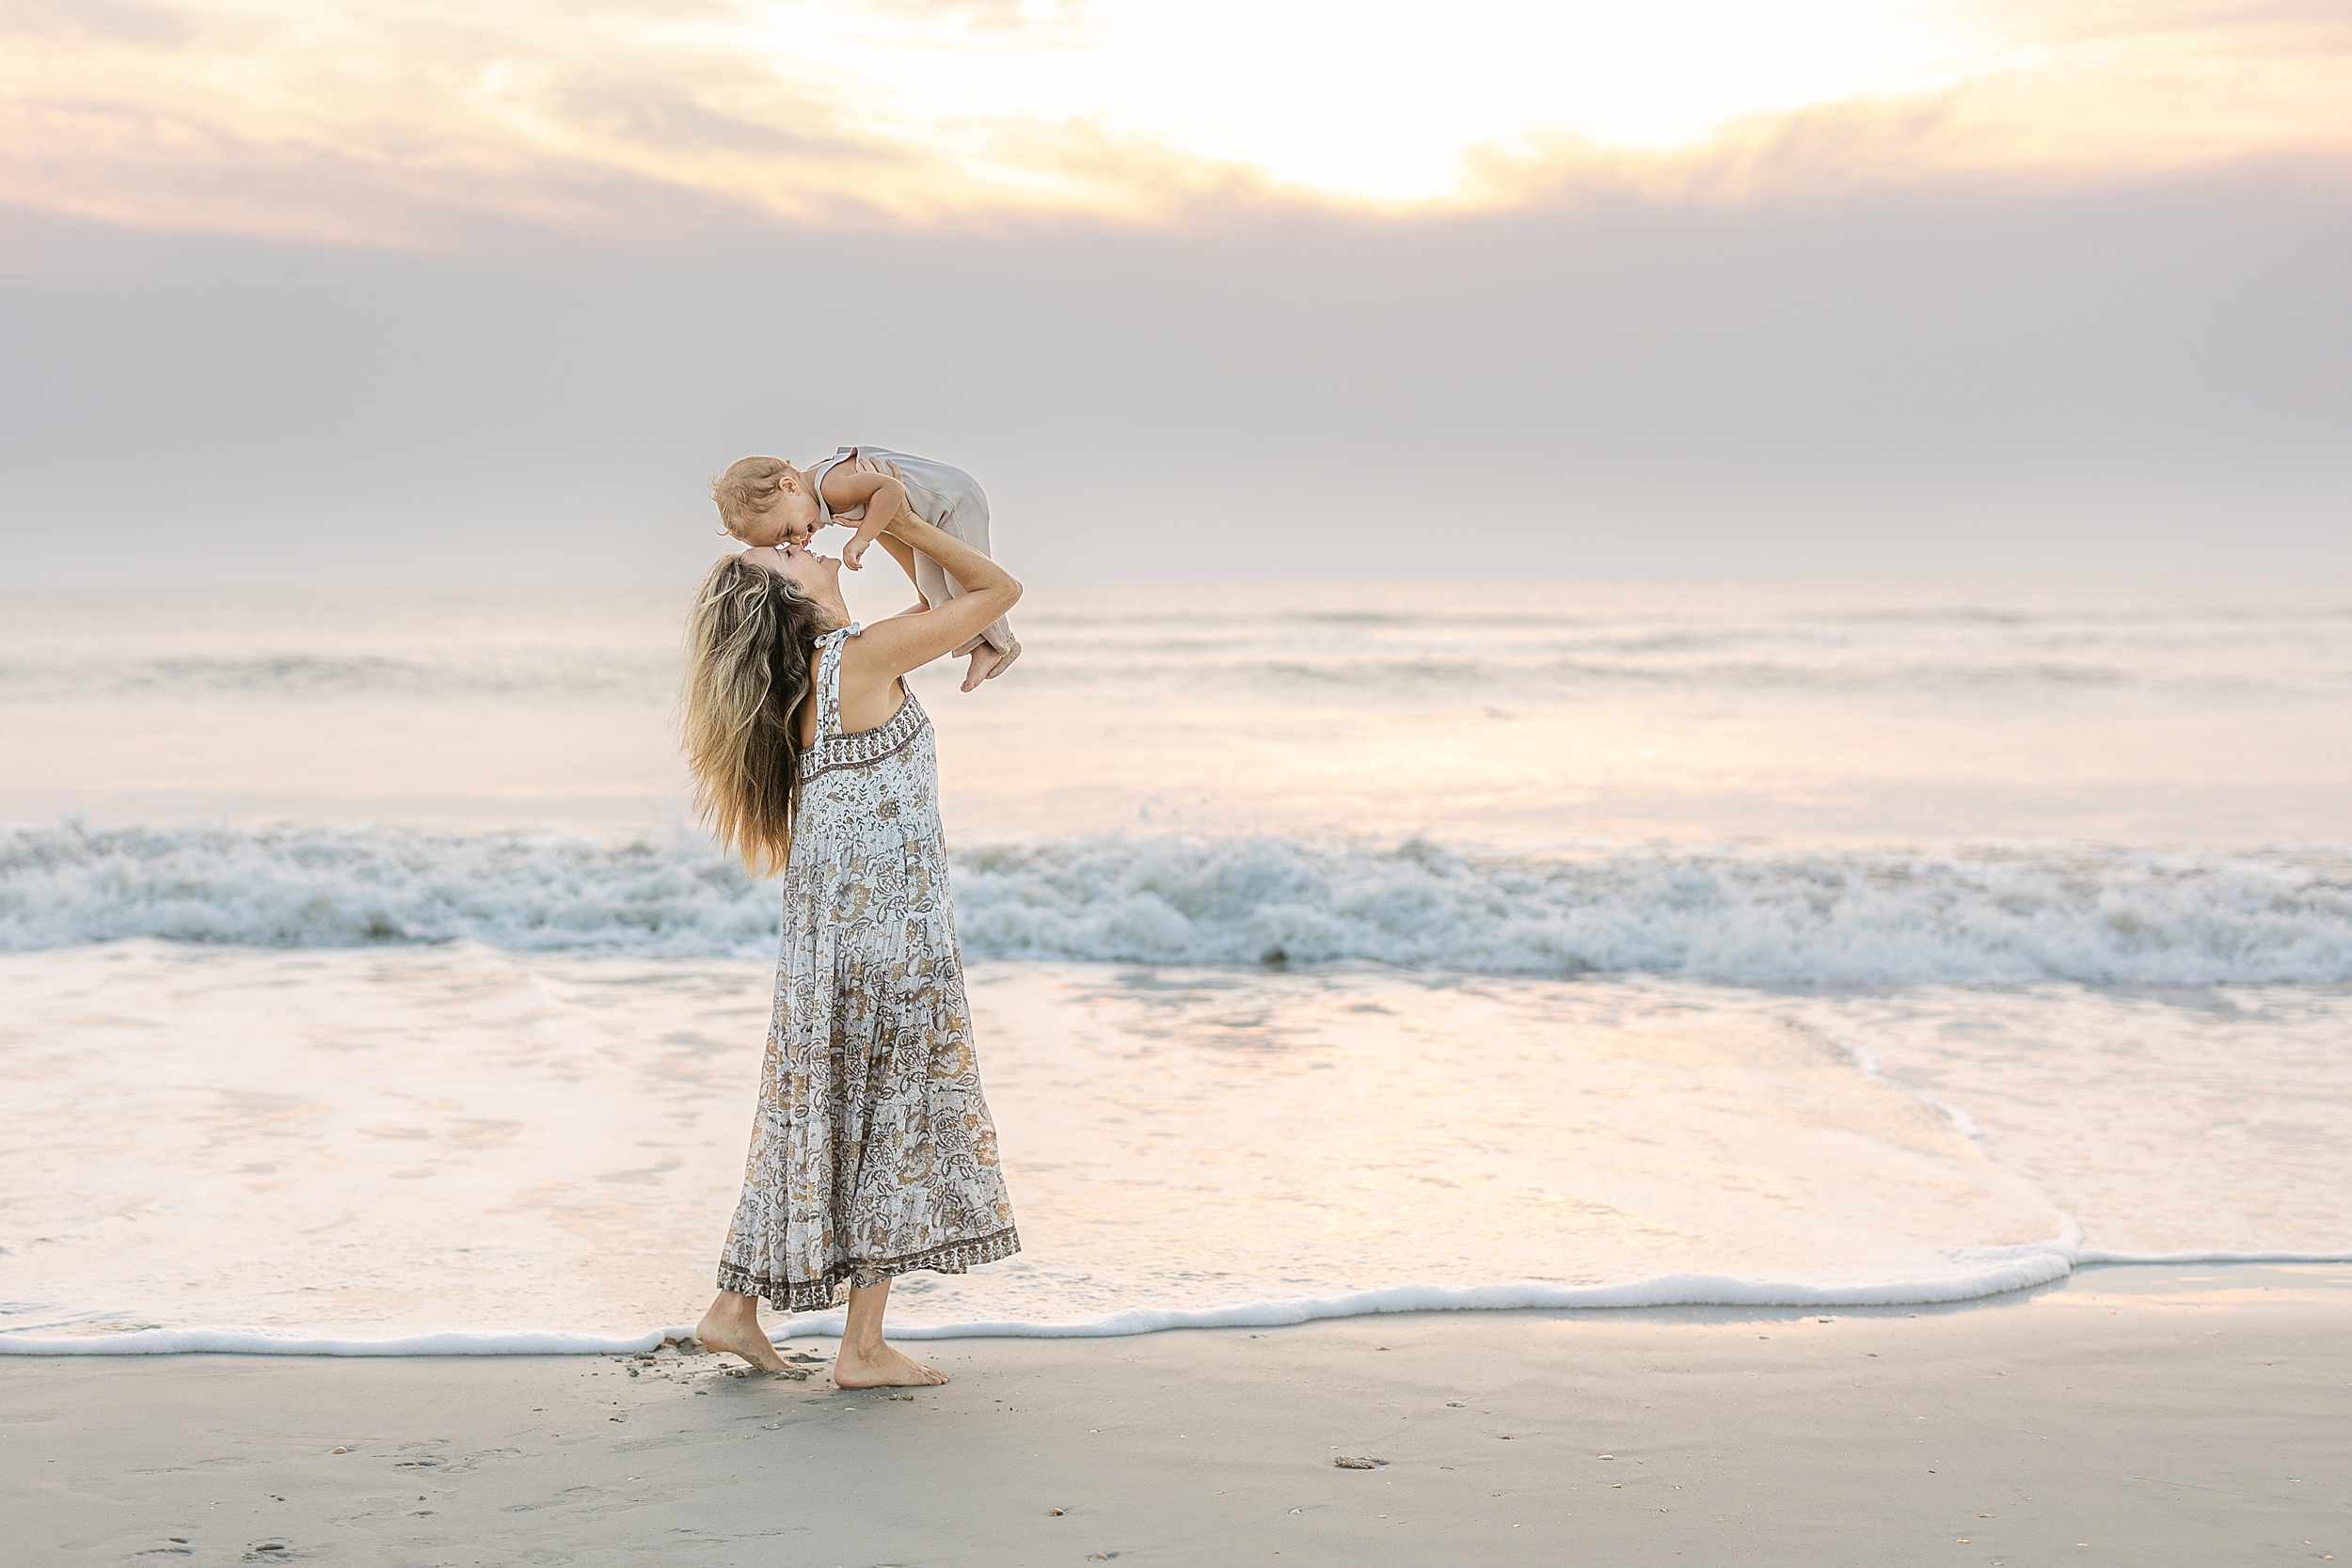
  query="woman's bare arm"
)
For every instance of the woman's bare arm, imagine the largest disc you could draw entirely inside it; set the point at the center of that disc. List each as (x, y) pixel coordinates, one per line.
(903, 643)
(994, 651)
(903, 554)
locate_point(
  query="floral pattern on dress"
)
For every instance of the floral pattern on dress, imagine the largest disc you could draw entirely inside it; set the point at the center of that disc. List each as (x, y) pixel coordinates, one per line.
(872, 1153)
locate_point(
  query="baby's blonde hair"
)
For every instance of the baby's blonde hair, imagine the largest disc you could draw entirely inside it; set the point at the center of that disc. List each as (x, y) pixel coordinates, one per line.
(748, 488)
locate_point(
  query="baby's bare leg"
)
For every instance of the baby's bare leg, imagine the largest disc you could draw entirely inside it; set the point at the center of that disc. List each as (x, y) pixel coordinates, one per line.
(993, 650)
(968, 521)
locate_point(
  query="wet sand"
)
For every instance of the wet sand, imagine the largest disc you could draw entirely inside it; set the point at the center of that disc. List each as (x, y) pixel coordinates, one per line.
(2142, 1415)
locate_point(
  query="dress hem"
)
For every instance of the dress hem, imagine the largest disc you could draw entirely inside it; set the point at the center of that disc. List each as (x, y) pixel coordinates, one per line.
(815, 1295)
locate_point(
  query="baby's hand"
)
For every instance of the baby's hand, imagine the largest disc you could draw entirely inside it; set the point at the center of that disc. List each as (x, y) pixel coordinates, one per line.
(867, 531)
(870, 527)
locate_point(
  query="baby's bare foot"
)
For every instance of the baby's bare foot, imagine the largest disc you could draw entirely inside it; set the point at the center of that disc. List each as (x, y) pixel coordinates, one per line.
(882, 1367)
(987, 664)
(750, 1342)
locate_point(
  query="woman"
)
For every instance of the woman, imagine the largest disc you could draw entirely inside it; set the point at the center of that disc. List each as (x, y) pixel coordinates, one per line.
(872, 1154)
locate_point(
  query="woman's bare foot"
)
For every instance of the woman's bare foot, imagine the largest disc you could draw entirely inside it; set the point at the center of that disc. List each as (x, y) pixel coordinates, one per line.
(732, 1326)
(865, 1361)
(881, 1365)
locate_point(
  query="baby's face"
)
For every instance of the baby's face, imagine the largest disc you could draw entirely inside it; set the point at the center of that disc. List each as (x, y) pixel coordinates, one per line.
(789, 521)
(794, 516)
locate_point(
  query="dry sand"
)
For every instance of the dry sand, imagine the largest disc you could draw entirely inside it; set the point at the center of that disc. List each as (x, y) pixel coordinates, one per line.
(2144, 1416)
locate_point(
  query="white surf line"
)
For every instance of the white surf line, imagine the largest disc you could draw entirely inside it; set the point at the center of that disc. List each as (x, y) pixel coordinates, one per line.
(2094, 1259)
(1978, 1274)
(224, 1340)
(1993, 1272)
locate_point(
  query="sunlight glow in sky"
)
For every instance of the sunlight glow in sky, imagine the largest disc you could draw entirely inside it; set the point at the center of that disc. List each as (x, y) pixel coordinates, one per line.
(1377, 99)
(381, 121)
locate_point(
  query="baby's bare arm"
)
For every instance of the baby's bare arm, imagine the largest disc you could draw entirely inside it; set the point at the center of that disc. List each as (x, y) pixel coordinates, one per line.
(881, 507)
(870, 494)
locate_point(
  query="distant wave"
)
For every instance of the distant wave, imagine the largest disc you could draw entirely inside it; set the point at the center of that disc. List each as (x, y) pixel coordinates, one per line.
(521, 673)
(1993, 916)
(1971, 1274)
(1542, 668)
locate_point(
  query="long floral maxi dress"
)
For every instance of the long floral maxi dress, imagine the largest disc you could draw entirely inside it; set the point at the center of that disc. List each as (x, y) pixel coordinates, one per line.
(873, 1153)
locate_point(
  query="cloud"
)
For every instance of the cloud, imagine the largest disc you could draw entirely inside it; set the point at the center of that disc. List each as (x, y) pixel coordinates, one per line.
(2092, 92)
(133, 20)
(424, 127)
(356, 126)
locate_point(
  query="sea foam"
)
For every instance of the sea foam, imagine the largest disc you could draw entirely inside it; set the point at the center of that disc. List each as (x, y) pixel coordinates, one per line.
(1756, 917)
(1994, 916)
(1972, 1276)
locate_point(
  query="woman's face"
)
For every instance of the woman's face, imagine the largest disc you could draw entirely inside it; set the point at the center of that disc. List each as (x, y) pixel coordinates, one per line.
(817, 576)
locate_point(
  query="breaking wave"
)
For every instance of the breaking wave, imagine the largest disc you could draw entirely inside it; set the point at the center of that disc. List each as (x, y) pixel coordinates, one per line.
(2102, 916)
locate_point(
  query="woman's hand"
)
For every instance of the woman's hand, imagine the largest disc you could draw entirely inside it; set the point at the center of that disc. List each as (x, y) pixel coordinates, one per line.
(885, 468)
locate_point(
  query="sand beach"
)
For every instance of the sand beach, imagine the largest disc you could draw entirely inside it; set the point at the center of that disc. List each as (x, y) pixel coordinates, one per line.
(2138, 1414)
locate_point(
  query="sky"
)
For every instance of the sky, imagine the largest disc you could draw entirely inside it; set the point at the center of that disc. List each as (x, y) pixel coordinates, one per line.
(435, 295)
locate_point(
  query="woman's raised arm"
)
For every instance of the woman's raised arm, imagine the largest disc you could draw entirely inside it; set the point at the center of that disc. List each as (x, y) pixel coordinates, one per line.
(890, 648)
(903, 553)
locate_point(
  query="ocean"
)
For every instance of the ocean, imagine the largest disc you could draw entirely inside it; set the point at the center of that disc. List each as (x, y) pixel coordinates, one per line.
(365, 986)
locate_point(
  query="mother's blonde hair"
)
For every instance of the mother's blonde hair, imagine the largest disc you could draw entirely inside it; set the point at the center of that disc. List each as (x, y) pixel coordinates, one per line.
(747, 672)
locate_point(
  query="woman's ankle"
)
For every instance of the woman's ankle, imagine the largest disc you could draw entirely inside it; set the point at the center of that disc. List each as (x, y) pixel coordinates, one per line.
(733, 1311)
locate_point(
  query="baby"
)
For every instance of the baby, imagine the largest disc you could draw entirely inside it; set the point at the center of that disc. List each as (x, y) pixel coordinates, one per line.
(766, 500)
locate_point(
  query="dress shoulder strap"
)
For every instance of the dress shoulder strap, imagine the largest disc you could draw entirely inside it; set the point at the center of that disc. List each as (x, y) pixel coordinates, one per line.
(829, 679)
(817, 481)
